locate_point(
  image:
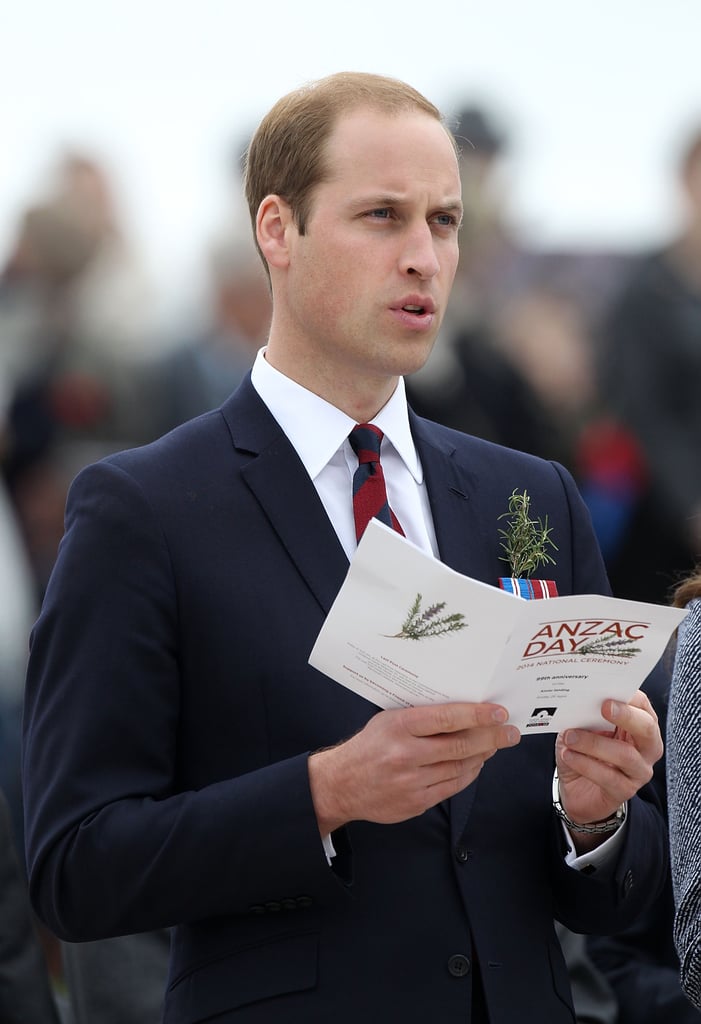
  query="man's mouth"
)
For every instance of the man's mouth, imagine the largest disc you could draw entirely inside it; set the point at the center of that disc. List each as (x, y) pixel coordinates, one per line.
(419, 306)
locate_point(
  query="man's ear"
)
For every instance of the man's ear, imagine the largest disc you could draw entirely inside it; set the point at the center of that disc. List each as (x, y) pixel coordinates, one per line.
(273, 224)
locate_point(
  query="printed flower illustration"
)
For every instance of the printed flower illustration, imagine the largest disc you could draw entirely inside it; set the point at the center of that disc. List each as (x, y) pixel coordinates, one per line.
(610, 648)
(419, 625)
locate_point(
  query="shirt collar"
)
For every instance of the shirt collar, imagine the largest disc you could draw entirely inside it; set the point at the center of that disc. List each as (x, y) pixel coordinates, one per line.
(294, 408)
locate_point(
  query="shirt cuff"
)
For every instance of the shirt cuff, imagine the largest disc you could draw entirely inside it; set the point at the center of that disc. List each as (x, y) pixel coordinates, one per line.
(600, 857)
(329, 848)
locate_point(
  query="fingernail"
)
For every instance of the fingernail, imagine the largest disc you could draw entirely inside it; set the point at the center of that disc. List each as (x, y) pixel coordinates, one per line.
(500, 715)
(615, 709)
(513, 735)
(571, 737)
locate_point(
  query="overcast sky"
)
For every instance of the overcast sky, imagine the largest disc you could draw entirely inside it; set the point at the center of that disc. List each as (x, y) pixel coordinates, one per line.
(595, 98)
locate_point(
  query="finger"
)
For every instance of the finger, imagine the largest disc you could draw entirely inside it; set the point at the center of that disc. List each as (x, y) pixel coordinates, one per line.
(448, 771)
(595, 758)
(449, 778)
(614, 785)
(638, 709)
(467, 744)
(639, 721)
(639, 700)
(435, 719)
(619, 775)
(636, 726)
(609, 749)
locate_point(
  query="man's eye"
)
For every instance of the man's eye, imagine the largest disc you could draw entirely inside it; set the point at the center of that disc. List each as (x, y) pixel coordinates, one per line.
(382, 213)
(446, 220)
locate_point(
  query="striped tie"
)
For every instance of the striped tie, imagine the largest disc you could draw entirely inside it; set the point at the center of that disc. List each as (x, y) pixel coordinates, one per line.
(369, 491)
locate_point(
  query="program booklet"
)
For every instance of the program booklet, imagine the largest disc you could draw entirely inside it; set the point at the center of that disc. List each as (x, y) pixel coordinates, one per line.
(405, 630)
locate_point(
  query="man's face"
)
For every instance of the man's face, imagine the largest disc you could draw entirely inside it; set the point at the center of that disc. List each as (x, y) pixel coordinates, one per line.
(368, 283)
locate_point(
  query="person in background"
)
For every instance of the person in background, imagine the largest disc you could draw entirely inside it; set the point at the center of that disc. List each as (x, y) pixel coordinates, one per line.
(198, 374)
(78, 334)
(650, 369)
(185, 767)
(594, 999)
(640, 963)
(684, 782)
(119, 980)
(18, 609)
(26, 996)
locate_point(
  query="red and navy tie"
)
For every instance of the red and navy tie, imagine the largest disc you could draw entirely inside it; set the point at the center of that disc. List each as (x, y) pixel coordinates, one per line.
(369, 491)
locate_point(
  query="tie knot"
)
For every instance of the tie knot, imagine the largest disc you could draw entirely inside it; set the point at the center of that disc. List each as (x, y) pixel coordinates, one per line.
(365, 440)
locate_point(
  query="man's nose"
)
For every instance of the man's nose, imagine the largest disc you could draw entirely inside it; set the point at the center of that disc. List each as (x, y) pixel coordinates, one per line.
(419, 253)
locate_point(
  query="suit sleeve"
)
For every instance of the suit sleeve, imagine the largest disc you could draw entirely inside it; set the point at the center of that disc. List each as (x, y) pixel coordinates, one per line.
(107, 819)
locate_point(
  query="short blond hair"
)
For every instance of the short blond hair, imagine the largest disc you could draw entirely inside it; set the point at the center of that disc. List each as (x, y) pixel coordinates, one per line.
(286, 156)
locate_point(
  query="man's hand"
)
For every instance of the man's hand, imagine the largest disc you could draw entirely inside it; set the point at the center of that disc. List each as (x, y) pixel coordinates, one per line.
(598, 771)
(403, 762)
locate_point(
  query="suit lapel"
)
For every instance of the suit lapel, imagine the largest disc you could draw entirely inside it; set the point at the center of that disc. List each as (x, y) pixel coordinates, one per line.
(281, 485)
(453, 488)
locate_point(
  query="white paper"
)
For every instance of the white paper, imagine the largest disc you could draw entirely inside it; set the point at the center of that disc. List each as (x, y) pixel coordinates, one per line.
(550, 662)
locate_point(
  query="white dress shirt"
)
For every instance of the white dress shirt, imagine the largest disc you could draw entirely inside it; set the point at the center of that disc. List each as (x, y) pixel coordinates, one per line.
(330, 461)
(319, 433)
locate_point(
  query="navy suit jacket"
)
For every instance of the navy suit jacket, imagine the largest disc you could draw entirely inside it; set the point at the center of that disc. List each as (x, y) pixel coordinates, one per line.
(170, 712)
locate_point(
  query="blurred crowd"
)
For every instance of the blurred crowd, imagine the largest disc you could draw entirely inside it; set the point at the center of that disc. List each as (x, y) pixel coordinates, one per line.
(591, 358)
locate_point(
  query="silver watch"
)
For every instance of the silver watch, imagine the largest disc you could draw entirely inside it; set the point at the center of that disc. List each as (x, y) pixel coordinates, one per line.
(592, 828)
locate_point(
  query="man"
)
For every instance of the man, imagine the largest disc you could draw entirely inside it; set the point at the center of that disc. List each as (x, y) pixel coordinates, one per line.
(184, 765)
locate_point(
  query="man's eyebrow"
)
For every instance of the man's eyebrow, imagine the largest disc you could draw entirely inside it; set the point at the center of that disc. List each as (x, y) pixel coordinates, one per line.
(458, 209)
(453, 206)
(378, 201)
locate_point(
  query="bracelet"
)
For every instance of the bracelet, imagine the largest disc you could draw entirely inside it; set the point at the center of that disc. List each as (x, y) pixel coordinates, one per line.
(592, 828)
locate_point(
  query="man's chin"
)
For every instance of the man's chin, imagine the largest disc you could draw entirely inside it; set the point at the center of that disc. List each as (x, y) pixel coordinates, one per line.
(415, 356)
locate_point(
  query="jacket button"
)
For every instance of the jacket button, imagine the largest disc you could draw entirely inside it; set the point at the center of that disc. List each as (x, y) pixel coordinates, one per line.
(461, 853)
(304, 901)
(288, 904)
(459, 965)
(273, 907)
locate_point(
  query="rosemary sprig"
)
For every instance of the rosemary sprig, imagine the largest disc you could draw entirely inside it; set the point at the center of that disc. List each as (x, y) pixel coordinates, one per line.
(526, 541)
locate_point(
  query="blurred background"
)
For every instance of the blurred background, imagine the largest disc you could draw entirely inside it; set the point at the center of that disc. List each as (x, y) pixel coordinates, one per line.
(594, 101)
(131, 297)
